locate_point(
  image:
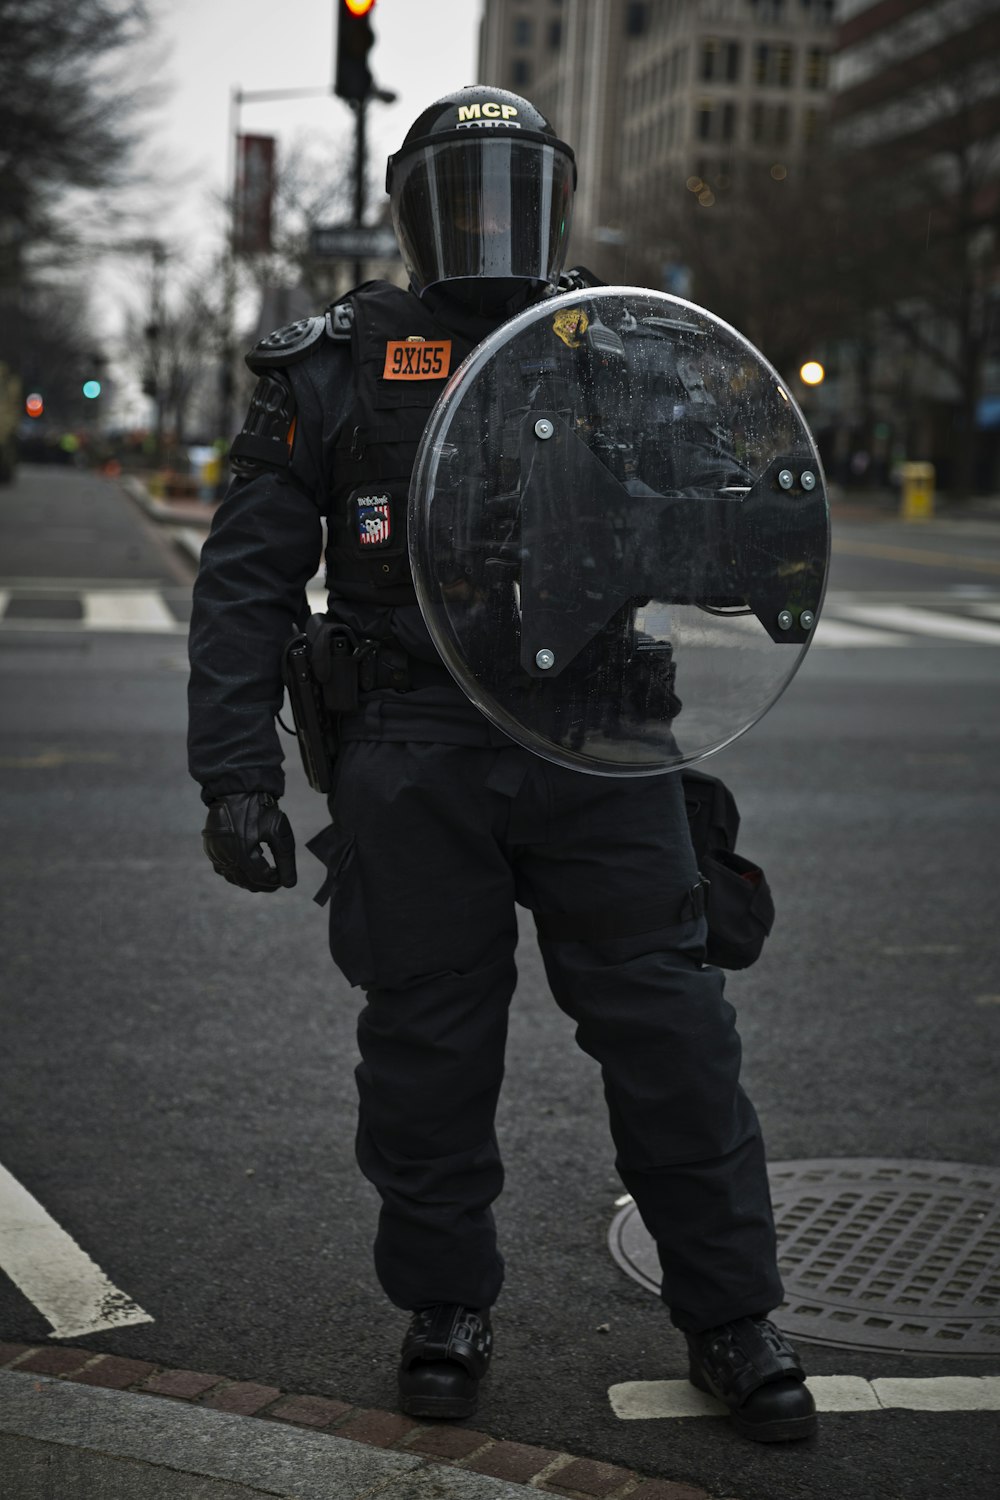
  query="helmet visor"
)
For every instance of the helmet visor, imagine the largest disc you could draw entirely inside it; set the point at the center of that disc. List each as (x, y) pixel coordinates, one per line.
(482, 208)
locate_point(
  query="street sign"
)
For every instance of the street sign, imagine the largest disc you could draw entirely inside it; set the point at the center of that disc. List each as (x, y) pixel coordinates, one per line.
(348, 242)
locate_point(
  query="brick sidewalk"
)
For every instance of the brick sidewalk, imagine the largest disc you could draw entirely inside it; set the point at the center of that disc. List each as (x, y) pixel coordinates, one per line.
(545, 1469)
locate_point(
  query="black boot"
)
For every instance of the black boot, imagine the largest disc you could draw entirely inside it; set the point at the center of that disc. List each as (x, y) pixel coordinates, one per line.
(751, 1366)
(445, 1354)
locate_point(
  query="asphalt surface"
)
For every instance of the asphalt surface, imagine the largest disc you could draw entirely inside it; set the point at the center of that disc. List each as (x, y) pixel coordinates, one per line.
(181, 1097)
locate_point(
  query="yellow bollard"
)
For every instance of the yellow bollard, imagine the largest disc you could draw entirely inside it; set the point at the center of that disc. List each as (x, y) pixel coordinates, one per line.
(918, 492)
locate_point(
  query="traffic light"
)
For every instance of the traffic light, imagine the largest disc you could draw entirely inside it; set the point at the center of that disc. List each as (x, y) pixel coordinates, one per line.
(91, 389)
(354, 42)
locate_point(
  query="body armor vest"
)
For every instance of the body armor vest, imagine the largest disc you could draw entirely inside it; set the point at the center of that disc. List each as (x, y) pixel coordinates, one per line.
(402, 358)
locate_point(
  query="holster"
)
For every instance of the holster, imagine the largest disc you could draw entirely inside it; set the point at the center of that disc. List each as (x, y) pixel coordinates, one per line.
(325, 668)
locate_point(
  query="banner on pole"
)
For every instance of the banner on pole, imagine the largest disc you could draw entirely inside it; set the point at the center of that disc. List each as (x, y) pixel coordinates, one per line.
(254, 194)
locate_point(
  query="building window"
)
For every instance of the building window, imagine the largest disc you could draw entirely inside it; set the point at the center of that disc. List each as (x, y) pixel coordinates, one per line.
(720, 61)
(813, 123)
(817, 68)
(635, 18)
(769, 124)
(715, 123)
(520, 72)
(523, 28)
(554, 37)
(773, 64)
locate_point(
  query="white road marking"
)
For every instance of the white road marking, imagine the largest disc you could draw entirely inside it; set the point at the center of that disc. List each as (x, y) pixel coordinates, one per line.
(126, 609)
(925, 622)
(69, 1290)
(991, 611)
(945, 1393)
(647, 1400)
(833, 632)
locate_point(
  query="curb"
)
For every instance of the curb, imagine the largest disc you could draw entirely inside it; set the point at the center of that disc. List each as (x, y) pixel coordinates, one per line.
(547, 1470)
(189, 514)
(188, 524)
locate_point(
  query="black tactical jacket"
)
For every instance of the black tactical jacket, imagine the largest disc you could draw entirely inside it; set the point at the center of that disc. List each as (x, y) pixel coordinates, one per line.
(297, 463)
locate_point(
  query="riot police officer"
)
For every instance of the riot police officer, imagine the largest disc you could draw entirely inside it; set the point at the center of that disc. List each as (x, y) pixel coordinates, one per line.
(441, 823)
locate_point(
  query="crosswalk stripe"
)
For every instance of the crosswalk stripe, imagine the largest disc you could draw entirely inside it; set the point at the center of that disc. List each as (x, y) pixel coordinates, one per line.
(925, 622)
(69, 1290)
(845, 623)
(832, 632)
(126, 609)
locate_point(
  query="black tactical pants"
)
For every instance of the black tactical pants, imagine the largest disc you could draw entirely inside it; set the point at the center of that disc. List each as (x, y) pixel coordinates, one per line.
(431, 846)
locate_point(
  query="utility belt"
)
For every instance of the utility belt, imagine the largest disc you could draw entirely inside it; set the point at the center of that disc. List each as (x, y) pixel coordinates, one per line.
(326, 668)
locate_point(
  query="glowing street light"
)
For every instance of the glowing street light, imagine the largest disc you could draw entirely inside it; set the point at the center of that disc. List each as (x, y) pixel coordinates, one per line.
(812, 373)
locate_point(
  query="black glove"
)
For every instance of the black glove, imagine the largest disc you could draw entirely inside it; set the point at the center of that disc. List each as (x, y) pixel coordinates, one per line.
(234, 830)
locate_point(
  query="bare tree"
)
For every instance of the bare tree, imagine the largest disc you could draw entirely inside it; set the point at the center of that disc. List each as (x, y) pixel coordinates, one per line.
(67, 115)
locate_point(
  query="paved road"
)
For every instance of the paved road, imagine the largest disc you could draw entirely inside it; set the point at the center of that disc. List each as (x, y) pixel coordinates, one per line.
(181, 1098)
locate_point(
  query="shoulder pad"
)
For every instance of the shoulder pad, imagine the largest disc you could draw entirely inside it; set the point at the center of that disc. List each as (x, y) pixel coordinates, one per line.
(339, 320)
(286, 345)
(578, 279)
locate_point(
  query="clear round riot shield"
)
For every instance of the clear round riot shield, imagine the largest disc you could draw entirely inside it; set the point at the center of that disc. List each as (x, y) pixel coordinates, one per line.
(618, 531)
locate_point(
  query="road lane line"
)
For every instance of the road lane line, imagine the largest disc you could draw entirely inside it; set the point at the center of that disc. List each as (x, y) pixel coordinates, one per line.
(69, 1290)
(916, 555)
(126, 609)
(925, 622)
(649, 1400)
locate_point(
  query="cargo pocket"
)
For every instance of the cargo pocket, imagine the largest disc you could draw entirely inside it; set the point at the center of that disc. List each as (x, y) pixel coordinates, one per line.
(350, 946)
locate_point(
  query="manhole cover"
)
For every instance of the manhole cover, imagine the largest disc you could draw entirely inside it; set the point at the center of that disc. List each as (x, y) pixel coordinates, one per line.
(874, 1254)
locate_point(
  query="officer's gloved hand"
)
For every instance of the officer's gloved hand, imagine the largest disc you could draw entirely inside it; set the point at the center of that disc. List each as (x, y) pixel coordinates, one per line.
(234, 830)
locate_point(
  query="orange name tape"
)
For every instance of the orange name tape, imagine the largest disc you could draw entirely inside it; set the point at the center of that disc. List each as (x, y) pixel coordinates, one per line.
(413, 360)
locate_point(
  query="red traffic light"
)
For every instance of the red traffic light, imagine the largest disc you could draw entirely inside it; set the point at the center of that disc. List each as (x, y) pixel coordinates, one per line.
(34, 405)
(352, 78)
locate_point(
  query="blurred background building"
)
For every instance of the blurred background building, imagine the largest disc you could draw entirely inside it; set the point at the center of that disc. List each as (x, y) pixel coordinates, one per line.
(654, 95)
(825, 175)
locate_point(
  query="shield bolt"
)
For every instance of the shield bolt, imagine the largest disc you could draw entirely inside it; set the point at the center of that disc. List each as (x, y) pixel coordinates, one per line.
(808, 480)
(786, 479)
(544, 429)
(545, 659)
(807, 619)
(785, 620)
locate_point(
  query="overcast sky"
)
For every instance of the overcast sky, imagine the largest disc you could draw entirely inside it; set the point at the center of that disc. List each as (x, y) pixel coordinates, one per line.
(205, 48)
(423, 48)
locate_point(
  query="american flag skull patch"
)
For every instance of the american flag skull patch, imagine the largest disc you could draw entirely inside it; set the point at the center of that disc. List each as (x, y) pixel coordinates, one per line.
(374, 520)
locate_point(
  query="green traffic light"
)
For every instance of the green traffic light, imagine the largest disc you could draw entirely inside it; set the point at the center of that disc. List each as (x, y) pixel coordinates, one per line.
(91, 389)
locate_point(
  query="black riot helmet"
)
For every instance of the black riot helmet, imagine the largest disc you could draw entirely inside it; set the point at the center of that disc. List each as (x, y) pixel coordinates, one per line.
(481, 190)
